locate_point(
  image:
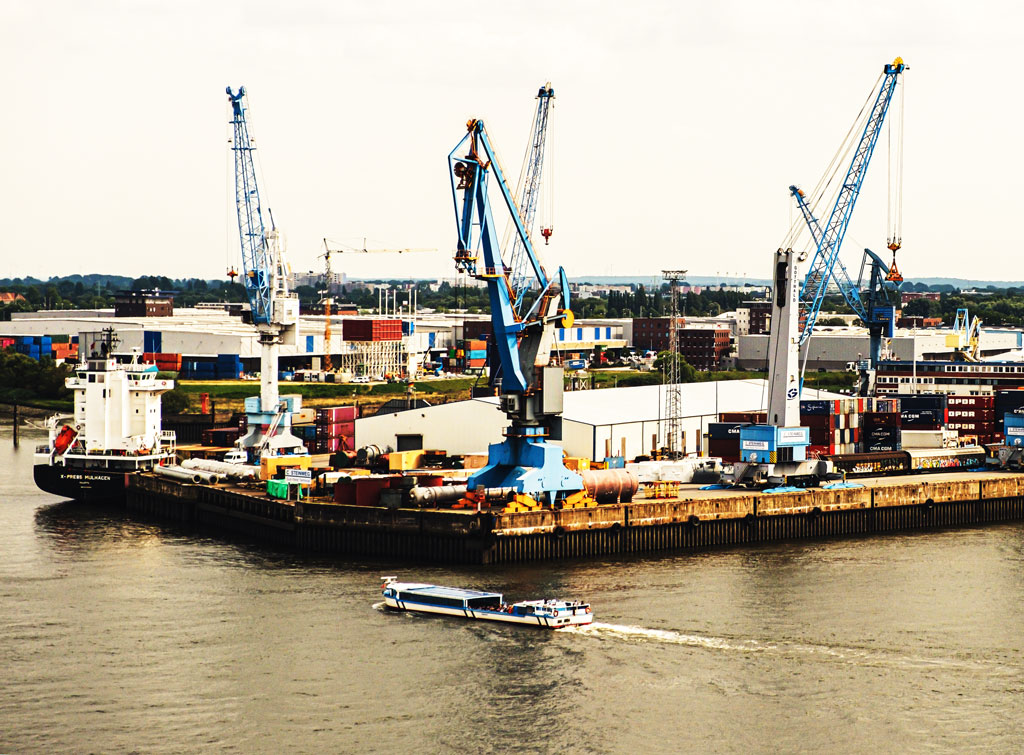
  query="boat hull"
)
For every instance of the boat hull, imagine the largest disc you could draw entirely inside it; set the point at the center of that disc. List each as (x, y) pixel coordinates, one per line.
(81, 483)
(566, 619)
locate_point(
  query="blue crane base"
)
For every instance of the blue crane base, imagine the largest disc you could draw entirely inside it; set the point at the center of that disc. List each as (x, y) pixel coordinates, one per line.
(527, 465)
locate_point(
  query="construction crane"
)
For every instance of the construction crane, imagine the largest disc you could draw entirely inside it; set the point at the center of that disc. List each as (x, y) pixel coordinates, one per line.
(333, 247)
(777, 452)
(524, 469)
(274, 309)
(528, 195)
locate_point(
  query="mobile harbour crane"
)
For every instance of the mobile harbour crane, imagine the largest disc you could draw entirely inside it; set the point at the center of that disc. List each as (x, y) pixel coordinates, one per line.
(776, 453)
(524, 467)
(273, 308)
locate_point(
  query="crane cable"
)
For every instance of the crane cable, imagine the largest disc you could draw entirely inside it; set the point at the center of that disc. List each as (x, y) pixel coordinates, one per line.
(831, 171)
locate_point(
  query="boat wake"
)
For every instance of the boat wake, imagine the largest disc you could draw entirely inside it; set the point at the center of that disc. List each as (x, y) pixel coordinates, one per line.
(852, 655)
(382, 606)
(665, 636)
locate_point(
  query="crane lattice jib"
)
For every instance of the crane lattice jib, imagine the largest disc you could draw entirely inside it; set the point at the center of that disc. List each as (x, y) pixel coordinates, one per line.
(473, 212)
(827, 252)
(255, 257)
(840, 275)
(519, 276)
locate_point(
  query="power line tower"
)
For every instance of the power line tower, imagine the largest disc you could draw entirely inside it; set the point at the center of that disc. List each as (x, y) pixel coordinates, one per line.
(673, 391)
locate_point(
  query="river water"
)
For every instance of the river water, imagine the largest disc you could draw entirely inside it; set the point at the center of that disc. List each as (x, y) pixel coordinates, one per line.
(118, 634)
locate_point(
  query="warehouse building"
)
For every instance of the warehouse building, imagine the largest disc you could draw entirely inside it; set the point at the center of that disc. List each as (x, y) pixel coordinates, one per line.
(593, 423)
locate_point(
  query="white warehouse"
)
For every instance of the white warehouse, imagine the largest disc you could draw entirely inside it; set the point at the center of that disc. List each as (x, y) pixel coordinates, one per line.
(591, 420)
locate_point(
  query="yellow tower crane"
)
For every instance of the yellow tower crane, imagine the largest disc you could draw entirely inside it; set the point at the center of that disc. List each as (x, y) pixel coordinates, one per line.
(333, 247)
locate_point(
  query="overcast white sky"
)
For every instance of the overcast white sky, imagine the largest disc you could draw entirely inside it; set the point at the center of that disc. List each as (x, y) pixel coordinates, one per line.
(678, 127)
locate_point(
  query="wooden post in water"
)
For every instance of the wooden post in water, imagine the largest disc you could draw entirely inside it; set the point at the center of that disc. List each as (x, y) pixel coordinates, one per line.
(14, 432)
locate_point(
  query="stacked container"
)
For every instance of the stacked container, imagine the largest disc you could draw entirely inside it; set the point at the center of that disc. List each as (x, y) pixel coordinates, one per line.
(229, 367)
(336, 429)
(923, 412)
(724, 440)
(1007, 402)
(880, 430)
(834, 425)
(372, 330)
(198, 369)
(973, 416)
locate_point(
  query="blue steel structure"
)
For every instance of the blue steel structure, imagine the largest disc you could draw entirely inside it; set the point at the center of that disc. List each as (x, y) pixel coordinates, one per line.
(531, 392)
(877, 314)
(519, 262)
(825, 264)
(255, 256)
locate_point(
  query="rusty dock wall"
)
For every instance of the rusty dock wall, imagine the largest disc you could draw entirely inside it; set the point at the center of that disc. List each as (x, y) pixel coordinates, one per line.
(697, 519)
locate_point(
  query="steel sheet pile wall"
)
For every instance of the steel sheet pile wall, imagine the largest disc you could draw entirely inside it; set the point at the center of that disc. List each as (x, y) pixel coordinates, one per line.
(725, 518)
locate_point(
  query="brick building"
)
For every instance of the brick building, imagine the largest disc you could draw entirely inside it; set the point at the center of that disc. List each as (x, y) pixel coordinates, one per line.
(760, 316)
(704, 348)
(651, 333)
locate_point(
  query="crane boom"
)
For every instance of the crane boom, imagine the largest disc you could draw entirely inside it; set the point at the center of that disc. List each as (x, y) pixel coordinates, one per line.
(529, 193)
(255, 257)
(826, 253)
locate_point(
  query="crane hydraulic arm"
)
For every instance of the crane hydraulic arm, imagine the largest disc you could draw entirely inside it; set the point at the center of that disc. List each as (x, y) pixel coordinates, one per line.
(824, 263)
(524, 462)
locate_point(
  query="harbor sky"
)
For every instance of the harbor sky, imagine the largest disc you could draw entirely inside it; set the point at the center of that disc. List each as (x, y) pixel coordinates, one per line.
(678, 128)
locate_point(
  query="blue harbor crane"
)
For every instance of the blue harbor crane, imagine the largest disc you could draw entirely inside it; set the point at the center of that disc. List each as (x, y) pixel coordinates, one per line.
(273, 309)
(524, 469)
(777, 451)
(825, 264)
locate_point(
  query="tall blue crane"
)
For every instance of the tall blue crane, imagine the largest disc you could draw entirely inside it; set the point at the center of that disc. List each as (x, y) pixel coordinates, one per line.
(825, 264)
(255, 257)
(274, 311)
(529, 195)
(531, 391)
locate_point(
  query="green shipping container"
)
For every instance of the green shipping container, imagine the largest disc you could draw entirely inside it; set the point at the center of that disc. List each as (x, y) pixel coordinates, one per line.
(60, 339)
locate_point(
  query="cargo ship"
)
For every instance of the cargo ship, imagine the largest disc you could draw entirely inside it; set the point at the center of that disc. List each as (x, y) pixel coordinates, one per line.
(115, 429)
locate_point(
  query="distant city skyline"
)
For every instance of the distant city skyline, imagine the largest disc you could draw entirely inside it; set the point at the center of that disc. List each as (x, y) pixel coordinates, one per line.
(677, 129)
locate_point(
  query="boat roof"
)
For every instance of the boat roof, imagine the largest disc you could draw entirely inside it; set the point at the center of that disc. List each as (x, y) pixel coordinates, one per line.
(442, 592)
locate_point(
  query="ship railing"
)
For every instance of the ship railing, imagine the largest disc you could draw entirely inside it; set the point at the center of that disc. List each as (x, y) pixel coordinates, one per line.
(168, 440)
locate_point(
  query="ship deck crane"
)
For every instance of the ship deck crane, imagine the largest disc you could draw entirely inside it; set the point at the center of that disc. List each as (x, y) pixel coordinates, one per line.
(524, 467)
(777, 451)
(274, 309)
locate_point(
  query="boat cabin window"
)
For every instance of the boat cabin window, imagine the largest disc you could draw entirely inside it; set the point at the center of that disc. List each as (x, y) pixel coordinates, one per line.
(437, 600)
(488, 601)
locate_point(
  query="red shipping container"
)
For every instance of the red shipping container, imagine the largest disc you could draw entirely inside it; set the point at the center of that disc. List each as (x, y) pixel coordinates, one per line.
(818, 450)
(757, 418)
(371, 330)
(727, 448)
(336, 430)
(819, 421)
(333, 414)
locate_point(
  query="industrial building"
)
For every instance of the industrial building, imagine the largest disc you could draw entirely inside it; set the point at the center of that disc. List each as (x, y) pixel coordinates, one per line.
(593, 423)
(835, 348)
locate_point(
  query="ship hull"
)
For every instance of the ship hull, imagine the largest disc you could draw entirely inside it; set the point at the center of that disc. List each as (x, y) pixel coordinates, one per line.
(80, 483)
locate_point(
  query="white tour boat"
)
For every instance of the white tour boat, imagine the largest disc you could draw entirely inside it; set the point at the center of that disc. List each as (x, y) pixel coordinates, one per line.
(484, 606)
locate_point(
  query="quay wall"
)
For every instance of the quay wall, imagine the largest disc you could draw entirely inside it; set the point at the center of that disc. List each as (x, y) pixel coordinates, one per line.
(722, 518)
